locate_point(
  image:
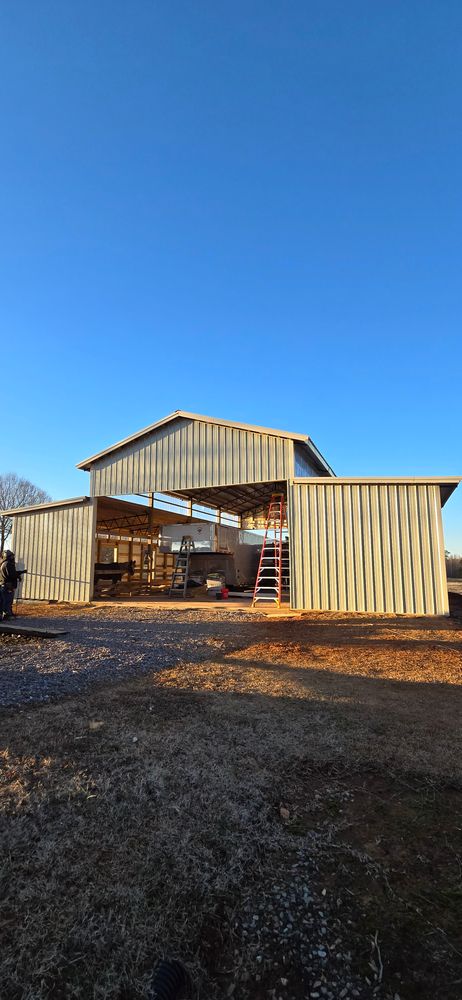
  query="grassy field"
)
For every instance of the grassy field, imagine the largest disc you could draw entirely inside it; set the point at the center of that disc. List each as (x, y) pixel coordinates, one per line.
(309, 780)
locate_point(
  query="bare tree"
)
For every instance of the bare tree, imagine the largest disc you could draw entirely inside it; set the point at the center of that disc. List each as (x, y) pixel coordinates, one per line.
(16, 492)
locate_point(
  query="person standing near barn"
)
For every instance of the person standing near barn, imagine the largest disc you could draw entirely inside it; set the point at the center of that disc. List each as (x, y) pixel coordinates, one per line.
(9, 579)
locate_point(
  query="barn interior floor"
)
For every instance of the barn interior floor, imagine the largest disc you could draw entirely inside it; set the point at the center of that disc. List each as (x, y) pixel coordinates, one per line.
(178, 604)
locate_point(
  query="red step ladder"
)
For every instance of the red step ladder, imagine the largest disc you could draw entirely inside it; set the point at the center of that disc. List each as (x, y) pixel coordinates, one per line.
(273, 568)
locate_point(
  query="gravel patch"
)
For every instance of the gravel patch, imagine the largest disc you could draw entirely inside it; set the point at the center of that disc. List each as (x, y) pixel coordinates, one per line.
(244, 814)
(113, 645)
(295, 943)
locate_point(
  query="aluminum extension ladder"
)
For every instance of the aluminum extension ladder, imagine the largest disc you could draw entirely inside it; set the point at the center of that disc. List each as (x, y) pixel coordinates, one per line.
(181, 570)
(273, 569)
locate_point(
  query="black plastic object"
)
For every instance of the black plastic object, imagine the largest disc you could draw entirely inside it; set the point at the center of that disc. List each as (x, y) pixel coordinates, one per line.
(170, 981)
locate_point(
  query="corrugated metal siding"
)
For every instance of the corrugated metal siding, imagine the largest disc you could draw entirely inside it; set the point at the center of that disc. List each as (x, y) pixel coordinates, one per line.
(303, 465)
(367, 547)
(56, 548)
(189, 454)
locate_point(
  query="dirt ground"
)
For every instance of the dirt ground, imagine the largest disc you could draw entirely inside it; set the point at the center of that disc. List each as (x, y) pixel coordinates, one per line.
(284, 817)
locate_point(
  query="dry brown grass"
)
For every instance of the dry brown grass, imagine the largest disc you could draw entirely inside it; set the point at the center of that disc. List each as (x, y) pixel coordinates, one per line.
(383, 690)
(133, 817)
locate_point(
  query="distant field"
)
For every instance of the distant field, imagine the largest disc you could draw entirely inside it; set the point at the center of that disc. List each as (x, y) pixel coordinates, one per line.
(455, 585)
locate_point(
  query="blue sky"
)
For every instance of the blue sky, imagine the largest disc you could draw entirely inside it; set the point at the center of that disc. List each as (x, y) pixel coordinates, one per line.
(249, 210)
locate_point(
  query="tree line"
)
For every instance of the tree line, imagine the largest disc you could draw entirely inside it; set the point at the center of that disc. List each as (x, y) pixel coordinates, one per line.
(16, 492)
(453, 566)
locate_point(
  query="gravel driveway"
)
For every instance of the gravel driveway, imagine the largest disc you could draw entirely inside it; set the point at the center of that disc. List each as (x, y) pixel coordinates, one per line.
(114, 644)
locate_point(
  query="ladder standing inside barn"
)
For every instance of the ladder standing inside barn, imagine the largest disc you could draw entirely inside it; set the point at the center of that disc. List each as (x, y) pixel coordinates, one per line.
(273, 569)
(181, 571)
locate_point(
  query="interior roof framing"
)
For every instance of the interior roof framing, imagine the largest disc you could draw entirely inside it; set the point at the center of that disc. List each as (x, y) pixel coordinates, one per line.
(243, 499)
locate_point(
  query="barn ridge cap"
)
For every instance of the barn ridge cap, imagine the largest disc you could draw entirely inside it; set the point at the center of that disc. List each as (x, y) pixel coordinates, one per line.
(302, 438)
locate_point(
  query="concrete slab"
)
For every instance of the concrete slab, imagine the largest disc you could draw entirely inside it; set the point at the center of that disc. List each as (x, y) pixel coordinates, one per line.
(209, 604)
(29, 632)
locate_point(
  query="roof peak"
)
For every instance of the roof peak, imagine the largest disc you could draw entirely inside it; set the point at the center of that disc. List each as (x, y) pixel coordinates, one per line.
(184, 414)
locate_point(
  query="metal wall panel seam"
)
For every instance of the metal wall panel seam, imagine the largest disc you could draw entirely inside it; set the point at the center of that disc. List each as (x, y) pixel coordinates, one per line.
(396, 560)
(54, 529)
(349, 547)
(46, 548)
(367, 536)
(434, 562)
(202, 456)
(419, 545)
(310, 525)
(417, 552)
(79, 542)
(322, 543)
(55, 532)
(377, 549)
(59, 546)
(331, 548)
(26, 526)
(341, 551)
(386, 550)
(434, 508)
(39, 558)
(426, 560)
(358, 548)
(442, 558)
(402, 543)
(67, 527)
(209, 447)
(304, 558)
(142, 477)
(83, 544)
(41, 555)
(407, 569)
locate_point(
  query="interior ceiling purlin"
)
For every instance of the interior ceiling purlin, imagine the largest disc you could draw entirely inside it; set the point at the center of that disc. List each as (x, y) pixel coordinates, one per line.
(132, 524)
(245, 499)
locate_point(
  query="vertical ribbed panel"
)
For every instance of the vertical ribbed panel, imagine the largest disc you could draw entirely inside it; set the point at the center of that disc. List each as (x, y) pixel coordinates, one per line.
(367, 547)
(55, 546)
(302, 464)
(189, 454)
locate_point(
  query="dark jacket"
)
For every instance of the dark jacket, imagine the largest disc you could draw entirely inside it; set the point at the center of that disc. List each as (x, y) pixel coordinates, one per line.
(8, 572)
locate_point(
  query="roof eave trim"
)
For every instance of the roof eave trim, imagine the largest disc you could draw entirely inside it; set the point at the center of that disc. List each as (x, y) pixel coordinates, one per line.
(441, 480)
(319, 458)
(450, 482)
(45, 506)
